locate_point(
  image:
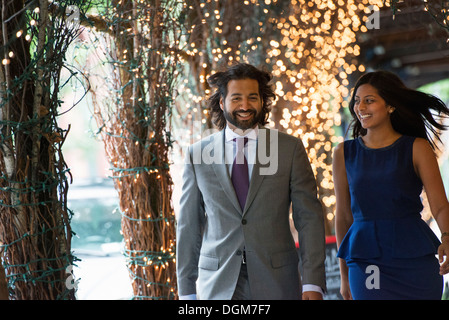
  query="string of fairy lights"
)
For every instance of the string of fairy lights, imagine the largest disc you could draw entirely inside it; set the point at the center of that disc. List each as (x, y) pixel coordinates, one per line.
(310, 47)
(35, 228)
(142, 65)
(439, 10)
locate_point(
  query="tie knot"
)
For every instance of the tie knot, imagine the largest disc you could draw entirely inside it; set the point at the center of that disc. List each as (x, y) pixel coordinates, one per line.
(240, 142)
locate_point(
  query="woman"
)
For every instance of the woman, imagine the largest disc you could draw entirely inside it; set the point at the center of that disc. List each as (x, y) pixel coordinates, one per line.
(387, 251)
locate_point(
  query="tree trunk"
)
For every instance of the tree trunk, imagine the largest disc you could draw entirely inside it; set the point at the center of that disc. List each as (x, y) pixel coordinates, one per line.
(137, 141)
(35, 233)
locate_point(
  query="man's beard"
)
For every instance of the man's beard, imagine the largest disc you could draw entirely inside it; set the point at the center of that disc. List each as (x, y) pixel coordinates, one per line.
(243, 124)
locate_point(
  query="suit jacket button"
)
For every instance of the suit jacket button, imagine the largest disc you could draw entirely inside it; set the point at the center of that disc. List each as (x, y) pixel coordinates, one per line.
(243, 221)
(239, 252)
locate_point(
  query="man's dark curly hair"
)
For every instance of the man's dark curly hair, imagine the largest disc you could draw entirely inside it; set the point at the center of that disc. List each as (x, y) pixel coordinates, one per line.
(239, 71)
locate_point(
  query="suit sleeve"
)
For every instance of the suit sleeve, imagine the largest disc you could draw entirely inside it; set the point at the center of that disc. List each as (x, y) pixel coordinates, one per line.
(308, 218)
(189, 230)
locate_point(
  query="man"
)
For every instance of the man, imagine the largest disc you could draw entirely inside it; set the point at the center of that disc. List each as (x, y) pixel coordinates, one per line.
(233, 237)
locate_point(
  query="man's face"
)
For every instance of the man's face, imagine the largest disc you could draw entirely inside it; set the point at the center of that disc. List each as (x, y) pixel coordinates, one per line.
(242, 107)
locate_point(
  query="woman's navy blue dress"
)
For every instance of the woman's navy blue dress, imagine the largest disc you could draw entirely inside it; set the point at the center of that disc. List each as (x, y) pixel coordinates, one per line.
(390, 251)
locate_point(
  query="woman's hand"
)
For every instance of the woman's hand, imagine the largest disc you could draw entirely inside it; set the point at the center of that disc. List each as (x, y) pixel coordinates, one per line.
(443, 250)
(345, 290)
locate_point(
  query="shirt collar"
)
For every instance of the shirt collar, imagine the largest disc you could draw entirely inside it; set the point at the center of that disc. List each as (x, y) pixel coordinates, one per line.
(250, 133)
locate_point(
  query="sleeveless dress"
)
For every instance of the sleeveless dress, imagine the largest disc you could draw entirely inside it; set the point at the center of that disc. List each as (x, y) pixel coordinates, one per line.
(390, 251)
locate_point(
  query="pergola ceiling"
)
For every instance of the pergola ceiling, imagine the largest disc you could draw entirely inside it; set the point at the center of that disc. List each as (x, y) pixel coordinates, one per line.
(412, 45)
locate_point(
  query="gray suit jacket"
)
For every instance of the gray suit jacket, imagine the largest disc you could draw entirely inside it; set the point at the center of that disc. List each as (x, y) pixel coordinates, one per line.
(213, 231)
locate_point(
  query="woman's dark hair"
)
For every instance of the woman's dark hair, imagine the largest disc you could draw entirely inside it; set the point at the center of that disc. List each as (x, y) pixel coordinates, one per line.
(414, 113)
(239, 71)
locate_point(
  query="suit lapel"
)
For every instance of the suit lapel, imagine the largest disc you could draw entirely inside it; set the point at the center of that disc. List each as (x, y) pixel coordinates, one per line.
(221, 170)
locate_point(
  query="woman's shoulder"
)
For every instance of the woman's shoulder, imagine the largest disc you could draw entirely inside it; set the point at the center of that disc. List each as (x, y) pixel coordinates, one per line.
(421, 144)
(423, 154)
(340, 148)
(420, 141)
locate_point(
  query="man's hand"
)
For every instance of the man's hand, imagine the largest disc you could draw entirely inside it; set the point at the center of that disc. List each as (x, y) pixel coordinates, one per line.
(312, 295)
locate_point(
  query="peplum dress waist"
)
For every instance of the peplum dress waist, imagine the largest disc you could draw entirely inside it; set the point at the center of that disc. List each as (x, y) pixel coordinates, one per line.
(408, 237)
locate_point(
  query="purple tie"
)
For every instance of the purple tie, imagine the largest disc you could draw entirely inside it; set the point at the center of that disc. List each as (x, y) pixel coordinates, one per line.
(239, 175)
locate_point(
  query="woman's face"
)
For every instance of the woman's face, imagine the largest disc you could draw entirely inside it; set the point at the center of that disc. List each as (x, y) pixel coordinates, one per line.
(371, 110)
